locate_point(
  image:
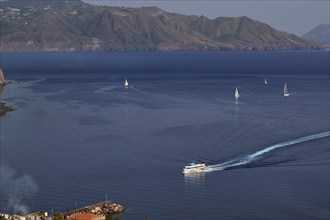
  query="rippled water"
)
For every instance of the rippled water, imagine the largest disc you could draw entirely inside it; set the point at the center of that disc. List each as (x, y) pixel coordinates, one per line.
(77, 136)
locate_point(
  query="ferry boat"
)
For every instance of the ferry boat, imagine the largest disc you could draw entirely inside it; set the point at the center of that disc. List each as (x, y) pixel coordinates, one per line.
(194, 167)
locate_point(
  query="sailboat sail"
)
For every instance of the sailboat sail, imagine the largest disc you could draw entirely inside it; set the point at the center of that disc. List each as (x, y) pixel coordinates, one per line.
(237, 95)
(266, 81)
(286, 92)
(126, 83)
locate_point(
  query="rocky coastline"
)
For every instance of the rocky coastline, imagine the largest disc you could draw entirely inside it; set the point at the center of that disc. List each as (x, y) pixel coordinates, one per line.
(102, 208)
(4, 109)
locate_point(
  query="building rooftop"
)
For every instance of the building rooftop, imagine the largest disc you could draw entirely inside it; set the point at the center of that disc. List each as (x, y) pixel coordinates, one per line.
(84, 216)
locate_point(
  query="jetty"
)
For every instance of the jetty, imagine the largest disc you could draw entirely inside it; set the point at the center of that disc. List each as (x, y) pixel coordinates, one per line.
(99, 210)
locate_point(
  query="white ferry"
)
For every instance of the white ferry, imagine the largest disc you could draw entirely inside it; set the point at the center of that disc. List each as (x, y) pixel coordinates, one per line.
(194, 167)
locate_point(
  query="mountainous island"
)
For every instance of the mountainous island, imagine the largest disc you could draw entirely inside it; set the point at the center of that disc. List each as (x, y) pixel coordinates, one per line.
(320, 34)
(73, 25)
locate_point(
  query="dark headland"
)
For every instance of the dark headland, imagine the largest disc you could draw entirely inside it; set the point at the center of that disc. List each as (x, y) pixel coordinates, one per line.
(3, 108)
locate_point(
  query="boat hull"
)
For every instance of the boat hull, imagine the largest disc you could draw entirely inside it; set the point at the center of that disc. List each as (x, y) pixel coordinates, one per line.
(193, 170)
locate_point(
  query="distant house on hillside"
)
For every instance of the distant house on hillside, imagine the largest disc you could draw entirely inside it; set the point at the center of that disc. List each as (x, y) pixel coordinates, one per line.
(4, 215)
(17, 217)
(31, 216)
(86, 216)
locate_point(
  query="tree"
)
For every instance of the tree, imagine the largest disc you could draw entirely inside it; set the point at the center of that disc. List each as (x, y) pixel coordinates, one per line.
(41, 215)
(116, 217)
(108, 216)
(58, 216)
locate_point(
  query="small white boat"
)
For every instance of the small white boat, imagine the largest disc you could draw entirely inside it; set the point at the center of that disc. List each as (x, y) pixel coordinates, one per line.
(237, 95)
(266, 81)
(194, 167)
(126, 83)
(286, 92)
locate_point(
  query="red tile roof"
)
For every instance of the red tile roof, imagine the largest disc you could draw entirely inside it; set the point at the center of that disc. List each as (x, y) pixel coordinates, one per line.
(83, 216)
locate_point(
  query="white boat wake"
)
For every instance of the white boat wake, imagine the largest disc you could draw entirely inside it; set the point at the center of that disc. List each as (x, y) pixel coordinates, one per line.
(255, 156)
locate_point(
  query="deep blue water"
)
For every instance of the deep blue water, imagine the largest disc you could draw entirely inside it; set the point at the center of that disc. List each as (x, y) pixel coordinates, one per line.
(77, 136)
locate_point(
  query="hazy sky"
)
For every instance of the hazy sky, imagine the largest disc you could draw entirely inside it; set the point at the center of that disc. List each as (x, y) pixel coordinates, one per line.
(293, 16)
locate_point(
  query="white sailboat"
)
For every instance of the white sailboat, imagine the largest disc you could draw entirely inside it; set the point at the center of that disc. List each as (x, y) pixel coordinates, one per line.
(126, 83)
(286, 92)
(266, 81)
(237, 95)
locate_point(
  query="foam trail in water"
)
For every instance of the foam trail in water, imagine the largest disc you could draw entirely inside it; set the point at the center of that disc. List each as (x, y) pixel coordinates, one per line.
(253, 157)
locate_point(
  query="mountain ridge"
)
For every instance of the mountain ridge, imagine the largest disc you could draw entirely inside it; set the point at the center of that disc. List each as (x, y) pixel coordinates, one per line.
(320, 34)
(77, 26)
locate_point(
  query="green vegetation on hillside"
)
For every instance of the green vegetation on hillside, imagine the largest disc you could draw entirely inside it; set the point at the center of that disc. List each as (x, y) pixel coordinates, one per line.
(77, 26)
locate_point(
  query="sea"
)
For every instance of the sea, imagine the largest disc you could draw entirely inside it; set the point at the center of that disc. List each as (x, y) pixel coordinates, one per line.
(78, 137)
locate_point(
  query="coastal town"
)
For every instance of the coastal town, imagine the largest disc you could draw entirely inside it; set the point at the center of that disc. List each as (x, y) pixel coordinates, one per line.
(106, 210)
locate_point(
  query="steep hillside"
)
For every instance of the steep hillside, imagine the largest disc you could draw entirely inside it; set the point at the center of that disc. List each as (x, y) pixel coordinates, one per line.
(76, 26)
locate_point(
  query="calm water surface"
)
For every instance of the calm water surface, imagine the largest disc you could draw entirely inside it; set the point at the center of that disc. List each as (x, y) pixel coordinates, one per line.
(77, 136)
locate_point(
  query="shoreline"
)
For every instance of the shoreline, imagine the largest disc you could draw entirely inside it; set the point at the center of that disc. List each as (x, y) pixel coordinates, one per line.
(324, 48)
